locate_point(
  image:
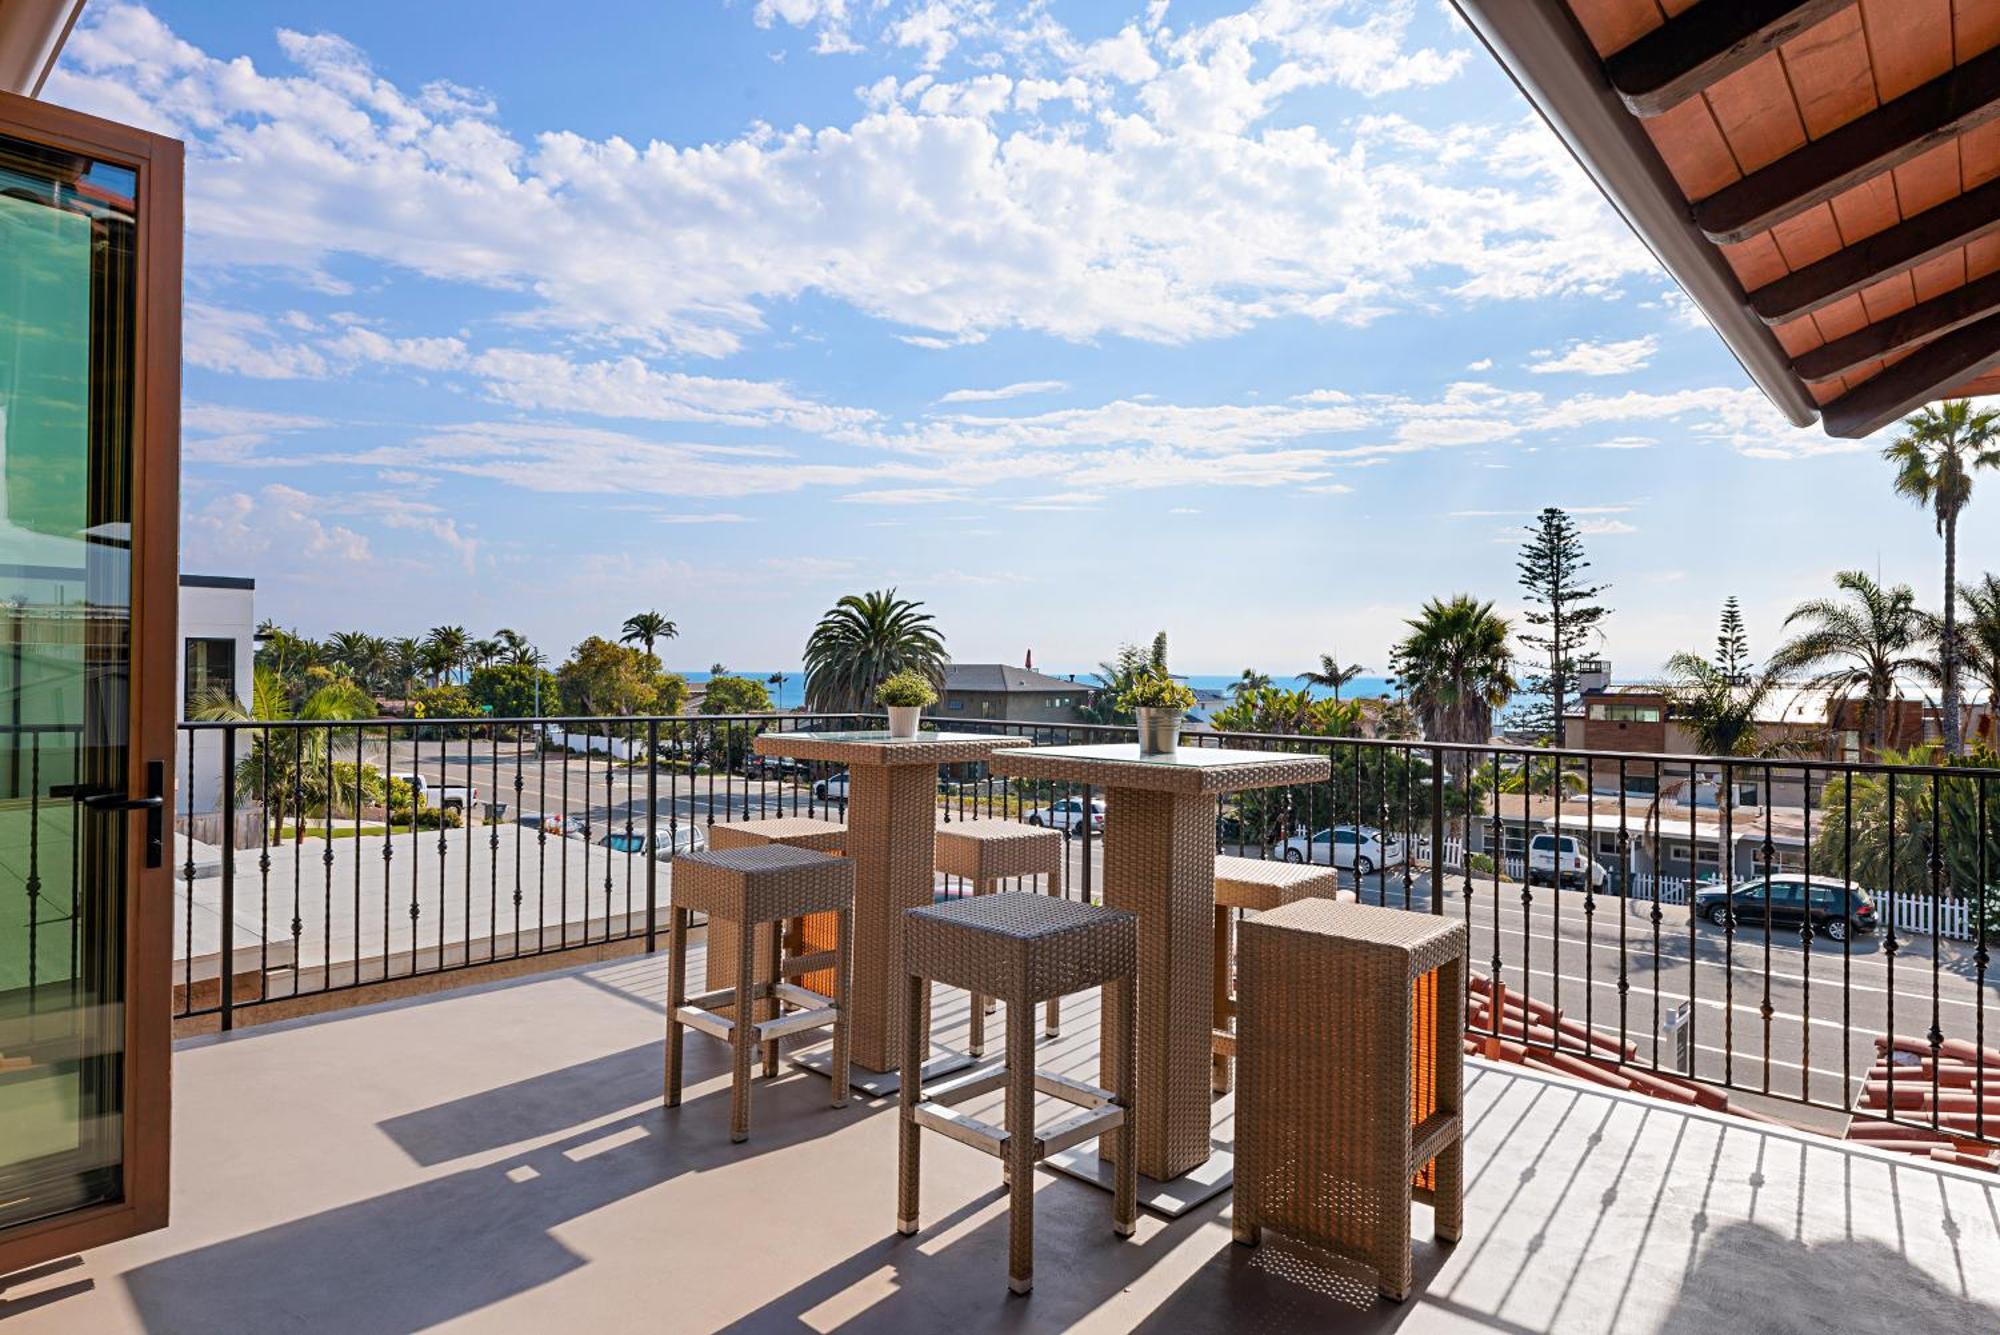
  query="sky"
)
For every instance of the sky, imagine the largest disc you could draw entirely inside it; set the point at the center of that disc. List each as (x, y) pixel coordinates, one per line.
(1075, 321)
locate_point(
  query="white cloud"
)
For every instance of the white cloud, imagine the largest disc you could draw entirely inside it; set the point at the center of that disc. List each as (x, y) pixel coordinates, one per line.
(717, 517)
(274, 528)
(214, 433)
(1483, 364)
(1174, 214)
(1585, 358)
(1622, 443)
(1013, 391)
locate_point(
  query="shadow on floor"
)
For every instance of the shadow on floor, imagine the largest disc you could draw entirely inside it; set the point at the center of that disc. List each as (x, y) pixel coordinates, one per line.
(451, 1245)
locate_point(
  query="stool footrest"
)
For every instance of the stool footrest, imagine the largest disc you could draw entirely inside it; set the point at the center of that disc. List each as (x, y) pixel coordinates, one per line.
(1077, 1128)
(695, 1017)
(1072, 1091)
(968, 1085)
(798, 966)
(1222, 1043)
(812, 1017)
(1434, 1133)
(966, 1130)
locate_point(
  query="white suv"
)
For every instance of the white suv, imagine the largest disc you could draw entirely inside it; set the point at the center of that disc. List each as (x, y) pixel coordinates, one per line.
(1361, 849)
(1577, 865)
(1067, 815)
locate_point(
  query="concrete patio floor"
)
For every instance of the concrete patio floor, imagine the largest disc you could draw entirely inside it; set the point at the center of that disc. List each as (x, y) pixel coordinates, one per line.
(497, 1159)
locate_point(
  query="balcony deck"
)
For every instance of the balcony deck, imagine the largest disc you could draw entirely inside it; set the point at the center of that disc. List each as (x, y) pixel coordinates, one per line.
(497, 1159)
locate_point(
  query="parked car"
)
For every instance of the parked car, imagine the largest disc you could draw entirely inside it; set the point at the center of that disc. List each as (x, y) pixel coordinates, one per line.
(832, 788)
(1358, 848)
(1837, 908)
(1067, 815)
(665, 845)
(440, 796)
(1576, 864)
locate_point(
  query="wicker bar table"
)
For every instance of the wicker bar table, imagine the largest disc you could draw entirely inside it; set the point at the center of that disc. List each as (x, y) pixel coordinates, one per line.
(892, 841)
(1159, 862)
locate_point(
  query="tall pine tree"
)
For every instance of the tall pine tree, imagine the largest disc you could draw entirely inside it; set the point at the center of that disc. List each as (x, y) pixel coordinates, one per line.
(1562, 614)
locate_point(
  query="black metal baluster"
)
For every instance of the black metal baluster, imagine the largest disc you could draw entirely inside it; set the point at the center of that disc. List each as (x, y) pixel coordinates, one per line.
(1889, 944)
(1625, 913)
(1936, 1034)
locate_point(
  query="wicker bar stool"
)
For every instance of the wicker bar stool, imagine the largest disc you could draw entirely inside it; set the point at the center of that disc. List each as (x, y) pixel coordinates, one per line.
(741, 889)
(1351, 1023)
(986, 852)
(1253, 885)
(808, 935)
(1021, 949)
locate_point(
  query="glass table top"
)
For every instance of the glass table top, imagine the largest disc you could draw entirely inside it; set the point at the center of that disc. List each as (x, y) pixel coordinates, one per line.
(1186, 757)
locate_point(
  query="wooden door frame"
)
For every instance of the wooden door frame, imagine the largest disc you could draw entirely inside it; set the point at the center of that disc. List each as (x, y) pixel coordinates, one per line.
(149, 893)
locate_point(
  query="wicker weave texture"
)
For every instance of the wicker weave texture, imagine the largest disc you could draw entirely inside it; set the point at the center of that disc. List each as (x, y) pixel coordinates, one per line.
(823, 836)
(877, 749)
(1020, 948)
(1159, 862)
(1016, 947)
(1326, 1143)
(1265, 883)
(1223, 772)
(761, 884)
(987, 850)
(891, 840)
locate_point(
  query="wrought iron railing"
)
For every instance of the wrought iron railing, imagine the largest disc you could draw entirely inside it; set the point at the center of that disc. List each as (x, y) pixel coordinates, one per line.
(1631, 911)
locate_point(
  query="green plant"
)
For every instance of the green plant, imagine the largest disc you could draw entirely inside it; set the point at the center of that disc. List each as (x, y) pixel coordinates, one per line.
(1154, 689)
(1455, 667)
(1562, 615)
(646, 628)
(1935, 457)
(1105, 703)
(1857, 647)
(1330, 675)
(735, 695)
(864, 638)
(1479, 863)
(906, 689)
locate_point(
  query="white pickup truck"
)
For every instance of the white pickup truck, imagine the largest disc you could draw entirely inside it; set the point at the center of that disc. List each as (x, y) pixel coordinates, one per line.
(439, 796)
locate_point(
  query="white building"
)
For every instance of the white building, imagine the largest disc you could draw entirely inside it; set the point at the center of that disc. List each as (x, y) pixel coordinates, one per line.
(218, 650)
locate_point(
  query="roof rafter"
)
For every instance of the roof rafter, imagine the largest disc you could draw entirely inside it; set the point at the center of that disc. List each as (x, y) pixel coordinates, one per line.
(1925, 320)
(1929, 234)
(1710, 41)
(1957, 357)
(1928, 115)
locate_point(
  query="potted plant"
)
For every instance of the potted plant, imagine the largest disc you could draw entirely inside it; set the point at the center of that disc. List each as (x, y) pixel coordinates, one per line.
(1161, 703)
(905, 695)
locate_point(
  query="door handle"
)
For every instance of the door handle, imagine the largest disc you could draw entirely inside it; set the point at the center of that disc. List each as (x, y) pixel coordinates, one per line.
(154, 804)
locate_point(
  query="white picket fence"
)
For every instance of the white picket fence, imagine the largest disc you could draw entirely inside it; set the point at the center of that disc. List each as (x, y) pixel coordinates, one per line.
(1912, 912)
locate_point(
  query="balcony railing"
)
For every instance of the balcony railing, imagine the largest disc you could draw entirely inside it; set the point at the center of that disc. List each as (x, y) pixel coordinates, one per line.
(1628, 912)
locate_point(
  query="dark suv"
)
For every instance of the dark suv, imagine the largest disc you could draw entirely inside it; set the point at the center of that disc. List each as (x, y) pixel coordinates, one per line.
(1837, 908)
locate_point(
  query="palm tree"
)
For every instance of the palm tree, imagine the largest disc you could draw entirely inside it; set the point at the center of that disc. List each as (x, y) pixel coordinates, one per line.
(1330, 675)
(286, 771)
(777, 679)
(485, 651)
(445, 649)
(1859, 646)
(1456, 668)
(349, 648)
(1935, 457)
(646, 628)
(405, 662)
(1980, 635)
(514, 646)
(864, 638)
(1251, 681)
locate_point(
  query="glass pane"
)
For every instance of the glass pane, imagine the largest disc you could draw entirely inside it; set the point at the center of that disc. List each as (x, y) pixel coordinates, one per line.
(67, 303)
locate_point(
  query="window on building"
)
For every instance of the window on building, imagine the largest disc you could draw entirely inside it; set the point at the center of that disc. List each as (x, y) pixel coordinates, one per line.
(1677, 852)
(954, 704)
(1706, 855)
(1622, 713)
(211, 672)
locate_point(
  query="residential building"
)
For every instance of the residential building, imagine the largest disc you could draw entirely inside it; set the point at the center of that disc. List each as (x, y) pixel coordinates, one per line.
(218, 629)
(999, 692)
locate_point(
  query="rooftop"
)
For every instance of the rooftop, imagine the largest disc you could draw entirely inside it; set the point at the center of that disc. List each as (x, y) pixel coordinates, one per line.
(497, 1159)
(1000, 678)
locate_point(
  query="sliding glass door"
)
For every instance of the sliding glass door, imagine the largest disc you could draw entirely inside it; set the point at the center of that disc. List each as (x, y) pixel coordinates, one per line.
(86, 449)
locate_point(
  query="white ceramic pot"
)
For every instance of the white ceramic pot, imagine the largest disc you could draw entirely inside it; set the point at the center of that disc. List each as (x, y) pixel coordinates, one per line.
(903, 719)
(1159, 730)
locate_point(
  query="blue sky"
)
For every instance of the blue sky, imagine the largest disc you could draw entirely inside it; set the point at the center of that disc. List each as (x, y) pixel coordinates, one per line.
(1075, 321)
